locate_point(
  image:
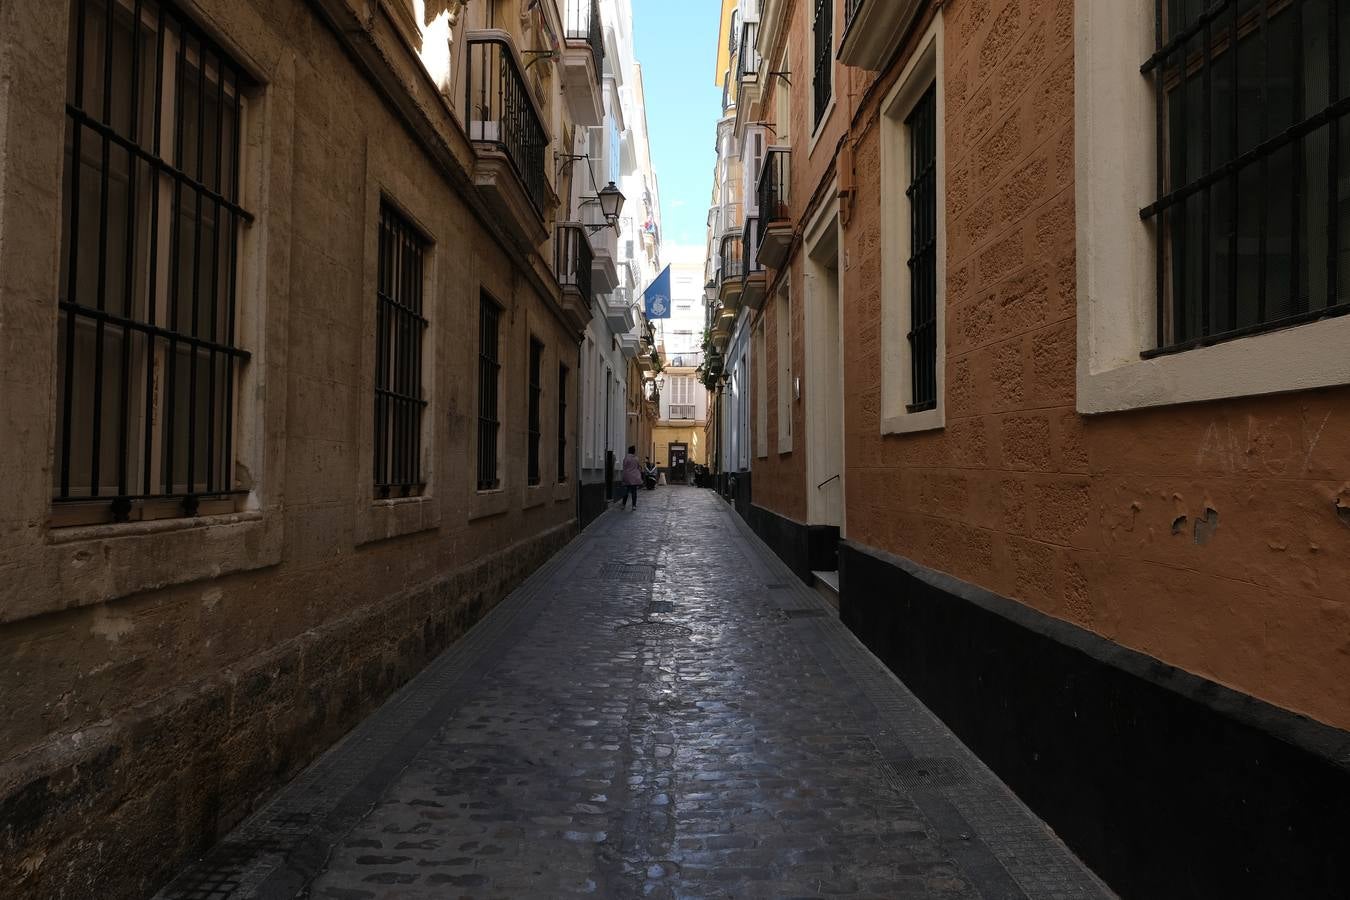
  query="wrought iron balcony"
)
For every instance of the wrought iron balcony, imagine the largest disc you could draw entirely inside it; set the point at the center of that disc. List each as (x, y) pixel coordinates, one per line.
(752, 295)
(732, 256)
(572, 261)
(501, 114)
(775, 224)
(749, 52)
(583, 24)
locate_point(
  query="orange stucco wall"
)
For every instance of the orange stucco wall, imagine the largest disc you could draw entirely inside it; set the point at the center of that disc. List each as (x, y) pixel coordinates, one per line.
(1214, 536)
(1208, 536)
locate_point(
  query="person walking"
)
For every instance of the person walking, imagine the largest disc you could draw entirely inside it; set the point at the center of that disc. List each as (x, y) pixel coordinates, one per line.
(632, 478)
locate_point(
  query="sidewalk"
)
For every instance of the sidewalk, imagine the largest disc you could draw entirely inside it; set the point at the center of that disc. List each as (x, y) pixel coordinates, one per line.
(660, 711)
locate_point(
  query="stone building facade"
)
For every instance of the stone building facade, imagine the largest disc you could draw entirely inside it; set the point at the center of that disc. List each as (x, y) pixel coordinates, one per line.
(1087, 492)
(350, 279)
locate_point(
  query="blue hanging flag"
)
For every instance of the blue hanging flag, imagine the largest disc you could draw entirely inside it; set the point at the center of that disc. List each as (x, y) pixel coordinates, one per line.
(657, 296)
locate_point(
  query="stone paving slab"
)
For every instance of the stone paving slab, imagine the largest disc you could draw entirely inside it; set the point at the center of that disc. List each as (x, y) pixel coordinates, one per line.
(661, 711)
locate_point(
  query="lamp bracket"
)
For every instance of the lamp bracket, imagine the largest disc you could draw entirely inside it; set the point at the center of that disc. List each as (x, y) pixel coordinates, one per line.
(538, 56)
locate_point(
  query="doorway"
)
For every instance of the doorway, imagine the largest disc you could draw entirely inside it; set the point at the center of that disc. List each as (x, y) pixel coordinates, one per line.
(679, 463)
(825, 377)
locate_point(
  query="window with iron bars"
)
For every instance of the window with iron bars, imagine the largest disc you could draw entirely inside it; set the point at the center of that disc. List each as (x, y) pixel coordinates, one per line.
(562, 423)
(399, 330)
(1253, 208)
(489, 372)
(148, 358)
(536, 390)
(823, 80)
(922, 193)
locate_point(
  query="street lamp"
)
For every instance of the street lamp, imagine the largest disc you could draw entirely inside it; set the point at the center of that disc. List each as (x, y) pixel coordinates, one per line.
(610, 198)
(611, 202)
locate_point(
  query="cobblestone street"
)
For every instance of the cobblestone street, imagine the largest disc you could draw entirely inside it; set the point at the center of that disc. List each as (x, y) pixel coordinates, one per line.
(660, 711)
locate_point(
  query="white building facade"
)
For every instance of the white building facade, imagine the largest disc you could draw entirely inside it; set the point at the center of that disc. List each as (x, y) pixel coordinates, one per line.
(625, 253)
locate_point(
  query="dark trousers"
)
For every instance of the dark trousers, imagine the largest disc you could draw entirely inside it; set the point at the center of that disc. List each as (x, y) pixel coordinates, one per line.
(630, 492)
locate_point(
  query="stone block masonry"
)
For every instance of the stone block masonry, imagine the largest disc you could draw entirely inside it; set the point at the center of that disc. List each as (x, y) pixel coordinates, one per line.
(116, 806)
(160, 677)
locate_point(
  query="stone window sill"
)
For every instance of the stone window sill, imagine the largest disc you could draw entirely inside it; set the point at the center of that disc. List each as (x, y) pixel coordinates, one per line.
(484, 504)
(913, 423)
(86, 565)
(397, 517)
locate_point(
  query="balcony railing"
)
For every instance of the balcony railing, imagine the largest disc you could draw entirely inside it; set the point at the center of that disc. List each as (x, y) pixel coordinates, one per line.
(583, 24)
(733, 258)
(749, 52)
(501, 112)
(772, 191)
(682, 411)
(751, 241)
(851, 8)
(572, 259)
(690, 360)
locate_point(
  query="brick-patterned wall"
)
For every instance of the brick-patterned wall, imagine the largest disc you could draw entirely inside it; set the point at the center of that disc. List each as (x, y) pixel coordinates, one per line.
(1100, 521)
(782, 487)
(780, 478)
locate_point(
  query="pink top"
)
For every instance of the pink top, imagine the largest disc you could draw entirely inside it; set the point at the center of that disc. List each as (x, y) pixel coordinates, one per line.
(632, 470)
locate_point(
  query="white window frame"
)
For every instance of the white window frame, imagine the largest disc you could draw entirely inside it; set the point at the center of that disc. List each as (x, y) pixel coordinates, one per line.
(783, 337)
(924, 68)
(818, 127)
(759, 360)
(1115, 129)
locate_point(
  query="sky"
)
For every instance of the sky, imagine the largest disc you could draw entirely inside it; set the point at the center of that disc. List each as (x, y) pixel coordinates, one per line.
(676, 43)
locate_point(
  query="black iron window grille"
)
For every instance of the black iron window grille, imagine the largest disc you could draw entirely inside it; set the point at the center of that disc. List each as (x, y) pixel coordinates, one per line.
(489, 372)
(922, 193)
(772, 190)
(562, 423)
(147, 353)
(501, 113)
(584, 24)
(1253, 208)
(399, 329)
(823, 80)
(536, 390)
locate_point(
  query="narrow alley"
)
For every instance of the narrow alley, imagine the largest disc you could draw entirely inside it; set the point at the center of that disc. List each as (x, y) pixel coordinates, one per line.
(637, 720)
(980, 367)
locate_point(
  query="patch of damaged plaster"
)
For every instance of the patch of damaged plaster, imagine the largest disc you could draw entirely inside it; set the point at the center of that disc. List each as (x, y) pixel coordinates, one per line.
(1205, 528)
(110, 627)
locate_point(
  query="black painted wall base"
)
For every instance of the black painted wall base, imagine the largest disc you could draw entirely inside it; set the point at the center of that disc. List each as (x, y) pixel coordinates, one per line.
(803, 547)
(1166, 784)
(593, 502)
(738, 490)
